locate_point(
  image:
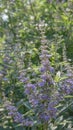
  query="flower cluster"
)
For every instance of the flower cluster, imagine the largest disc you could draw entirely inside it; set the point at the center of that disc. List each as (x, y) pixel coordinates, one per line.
(22, 76)
(42, 93)
(18, 117)
(67, 85)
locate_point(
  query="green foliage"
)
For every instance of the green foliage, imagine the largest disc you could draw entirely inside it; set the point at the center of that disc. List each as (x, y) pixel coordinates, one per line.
(20, 50)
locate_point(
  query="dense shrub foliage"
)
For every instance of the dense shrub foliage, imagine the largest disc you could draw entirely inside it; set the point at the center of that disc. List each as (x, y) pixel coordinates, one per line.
(36, 71)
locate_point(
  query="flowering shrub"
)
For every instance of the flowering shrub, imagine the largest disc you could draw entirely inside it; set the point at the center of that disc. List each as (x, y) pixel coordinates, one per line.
(43, 93)
(36, 79)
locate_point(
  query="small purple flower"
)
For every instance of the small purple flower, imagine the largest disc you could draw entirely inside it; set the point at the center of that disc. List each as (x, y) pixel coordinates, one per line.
(44, 117)
(13, 108)
(70, 81)
(52, 70)
(44, 56)
(31, 86)
(28, 123)
(45, 63)
(44, 77)
(34, 102)
(72, 87)
(42, 69)
(27, 91)
(43, 97)
(24, 80)
(42, 83)
(11, 113)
